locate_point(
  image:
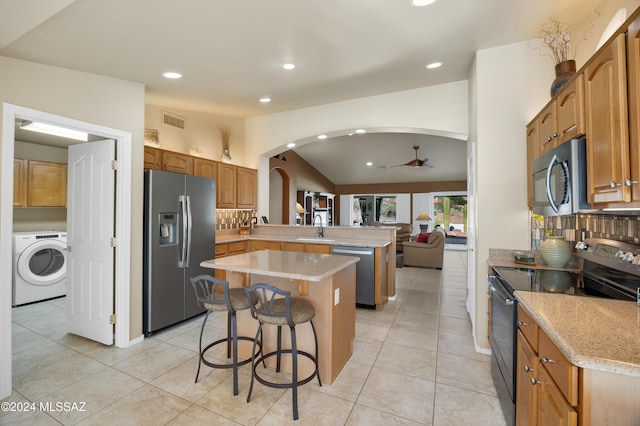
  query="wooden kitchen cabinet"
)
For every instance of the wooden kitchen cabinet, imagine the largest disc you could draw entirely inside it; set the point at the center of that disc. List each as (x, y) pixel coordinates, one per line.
(570, 110)
(246, 188)
(548, 127)
(533, 152)
(176, 162)
(152, 158)
(265, 245)
(20, 182)
(607, 124)
(633, 82)
(46, 184)
(205, 168)
(553, 409)
(226, 193)
(526, 390)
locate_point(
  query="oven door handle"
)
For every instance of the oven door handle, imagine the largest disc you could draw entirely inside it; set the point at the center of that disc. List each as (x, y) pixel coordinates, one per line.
(496, 290)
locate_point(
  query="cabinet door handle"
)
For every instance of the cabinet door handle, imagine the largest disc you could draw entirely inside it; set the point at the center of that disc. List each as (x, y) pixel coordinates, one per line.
(555, 135)
(548, 138)
(630, 182)
(534, 381)
(528, 369)
(522, 324)
(546, 360)
(613, 184)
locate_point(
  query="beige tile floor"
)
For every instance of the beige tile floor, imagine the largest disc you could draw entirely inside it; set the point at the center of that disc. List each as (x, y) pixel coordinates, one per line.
(413, 363)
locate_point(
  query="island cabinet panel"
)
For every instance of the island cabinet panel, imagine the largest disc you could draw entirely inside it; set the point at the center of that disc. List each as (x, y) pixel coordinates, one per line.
(288, 246)
(265, 245)
(226, 193)
(381, 282)
(633, 79)
(247, 188)
(607, 124)
(176, 162)
(205, 168)
(571, 119)
(318, 248)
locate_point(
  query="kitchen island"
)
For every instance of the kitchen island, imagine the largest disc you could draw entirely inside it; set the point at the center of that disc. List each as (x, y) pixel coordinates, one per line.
(327, 281)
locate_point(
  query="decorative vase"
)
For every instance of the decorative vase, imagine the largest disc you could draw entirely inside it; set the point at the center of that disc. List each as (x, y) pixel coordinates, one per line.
(564, 71)
(555, 251)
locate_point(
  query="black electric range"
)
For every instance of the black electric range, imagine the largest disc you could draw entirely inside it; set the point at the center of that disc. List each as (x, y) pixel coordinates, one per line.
(611, 269)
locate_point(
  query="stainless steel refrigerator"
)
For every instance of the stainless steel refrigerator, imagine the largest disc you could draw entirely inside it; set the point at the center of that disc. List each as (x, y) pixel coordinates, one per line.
(179, 233)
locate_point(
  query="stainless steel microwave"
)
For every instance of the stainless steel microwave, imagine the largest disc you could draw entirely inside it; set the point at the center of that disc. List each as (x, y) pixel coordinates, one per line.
(560, 180)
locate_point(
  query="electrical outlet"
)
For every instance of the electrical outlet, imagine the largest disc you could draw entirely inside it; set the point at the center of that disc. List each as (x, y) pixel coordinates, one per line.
(336, 296)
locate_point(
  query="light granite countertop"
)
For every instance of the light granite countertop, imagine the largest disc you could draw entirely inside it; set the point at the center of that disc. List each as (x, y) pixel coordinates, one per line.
(362, 241)
(283, 264)
(593, 333)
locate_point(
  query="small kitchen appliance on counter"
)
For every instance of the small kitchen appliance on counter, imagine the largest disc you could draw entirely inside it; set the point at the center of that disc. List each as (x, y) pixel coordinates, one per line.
(611, 270)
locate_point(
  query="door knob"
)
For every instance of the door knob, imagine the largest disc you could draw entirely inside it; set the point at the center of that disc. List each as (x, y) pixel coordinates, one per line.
(630, 182)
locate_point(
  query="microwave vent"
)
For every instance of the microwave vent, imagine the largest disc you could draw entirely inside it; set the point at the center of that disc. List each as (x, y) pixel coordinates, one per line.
(172, 120)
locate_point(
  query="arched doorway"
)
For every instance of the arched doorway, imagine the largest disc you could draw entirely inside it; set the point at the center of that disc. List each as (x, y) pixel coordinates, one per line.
(279, 200)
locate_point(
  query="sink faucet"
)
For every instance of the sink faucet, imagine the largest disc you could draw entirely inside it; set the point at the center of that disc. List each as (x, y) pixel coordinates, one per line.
(320, 229)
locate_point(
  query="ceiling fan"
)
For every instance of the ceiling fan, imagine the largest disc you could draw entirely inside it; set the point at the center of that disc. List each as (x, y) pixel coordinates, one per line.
(417, 162)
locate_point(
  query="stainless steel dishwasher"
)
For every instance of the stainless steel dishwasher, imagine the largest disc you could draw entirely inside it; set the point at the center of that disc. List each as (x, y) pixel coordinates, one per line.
(365, 295)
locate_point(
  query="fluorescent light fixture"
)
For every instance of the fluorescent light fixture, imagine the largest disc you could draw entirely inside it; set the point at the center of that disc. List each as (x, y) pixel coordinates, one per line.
(322, 136)
(434, 65)
(622, 209)
(265, 100)
(172, 75)
(291, 145)
(361, 131)
(288, 66)
(50, 129)
(421, 3)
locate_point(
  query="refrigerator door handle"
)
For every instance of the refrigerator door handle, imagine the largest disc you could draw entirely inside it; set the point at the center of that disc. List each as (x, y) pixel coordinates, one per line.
(189, 229)
(183, 251)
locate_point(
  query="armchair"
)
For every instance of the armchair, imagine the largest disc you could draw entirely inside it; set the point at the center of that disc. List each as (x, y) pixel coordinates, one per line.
(426, 255)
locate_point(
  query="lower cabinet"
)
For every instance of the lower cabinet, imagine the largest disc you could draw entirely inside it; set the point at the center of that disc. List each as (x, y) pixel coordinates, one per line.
(228, 249)
(546, 383)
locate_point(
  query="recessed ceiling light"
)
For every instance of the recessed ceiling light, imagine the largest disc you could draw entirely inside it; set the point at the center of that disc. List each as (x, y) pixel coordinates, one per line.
(171, 75)
(291, 145)
(361, 131)
(369, 163)
(322, 136)
(265, 100)
(288, 66)
(434, 65)
(421, 3)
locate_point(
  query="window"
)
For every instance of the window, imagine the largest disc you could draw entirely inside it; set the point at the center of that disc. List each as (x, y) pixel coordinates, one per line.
(450, 212)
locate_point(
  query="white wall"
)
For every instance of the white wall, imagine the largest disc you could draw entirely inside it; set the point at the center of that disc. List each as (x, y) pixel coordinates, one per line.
(510, 83)
(441, 110)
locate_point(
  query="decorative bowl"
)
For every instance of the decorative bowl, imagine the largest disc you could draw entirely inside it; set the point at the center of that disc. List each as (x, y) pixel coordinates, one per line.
(524, 256)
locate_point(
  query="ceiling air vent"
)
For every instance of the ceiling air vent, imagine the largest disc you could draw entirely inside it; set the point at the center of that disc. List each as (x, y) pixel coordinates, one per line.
(172, 120)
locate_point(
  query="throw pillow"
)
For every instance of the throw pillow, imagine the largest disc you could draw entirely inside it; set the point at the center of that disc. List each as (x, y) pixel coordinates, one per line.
(423, 237)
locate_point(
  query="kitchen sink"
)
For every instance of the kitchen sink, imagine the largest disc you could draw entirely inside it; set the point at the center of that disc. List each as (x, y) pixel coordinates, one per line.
(316, 239)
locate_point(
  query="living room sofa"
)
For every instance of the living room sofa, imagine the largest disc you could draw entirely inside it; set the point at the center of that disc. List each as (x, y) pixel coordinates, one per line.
(402, 234)
(429, 254)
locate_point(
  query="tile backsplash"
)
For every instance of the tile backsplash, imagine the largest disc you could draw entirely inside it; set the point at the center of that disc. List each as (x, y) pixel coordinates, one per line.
(231, 219)
(613, 227)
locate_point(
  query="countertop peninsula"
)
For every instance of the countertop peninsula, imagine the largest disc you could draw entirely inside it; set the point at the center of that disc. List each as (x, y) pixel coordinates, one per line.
(283, 264)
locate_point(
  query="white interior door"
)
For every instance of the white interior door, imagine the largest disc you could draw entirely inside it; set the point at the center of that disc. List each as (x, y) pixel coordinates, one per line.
(90, 229)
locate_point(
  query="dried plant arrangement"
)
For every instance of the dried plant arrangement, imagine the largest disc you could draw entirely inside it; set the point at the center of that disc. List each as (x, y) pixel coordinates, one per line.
(225, 135)
(557, 37)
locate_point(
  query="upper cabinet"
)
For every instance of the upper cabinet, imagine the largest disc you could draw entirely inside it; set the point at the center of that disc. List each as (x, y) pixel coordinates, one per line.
(633, 65)
(246, 188)
(39, 184)
(602, 102)
(226, 194)
(178, 163)
(533, 151)
(236, 186)
(607, 126)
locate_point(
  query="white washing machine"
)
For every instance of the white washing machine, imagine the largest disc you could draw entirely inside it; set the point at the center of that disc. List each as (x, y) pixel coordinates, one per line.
(40, 266)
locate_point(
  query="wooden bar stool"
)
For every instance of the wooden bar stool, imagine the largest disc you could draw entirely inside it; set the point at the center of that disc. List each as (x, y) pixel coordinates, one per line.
(215, 295)
(276, 307)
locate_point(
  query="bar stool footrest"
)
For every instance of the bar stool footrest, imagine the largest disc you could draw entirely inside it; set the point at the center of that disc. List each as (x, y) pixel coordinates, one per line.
(225, 340)
(284, 385)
